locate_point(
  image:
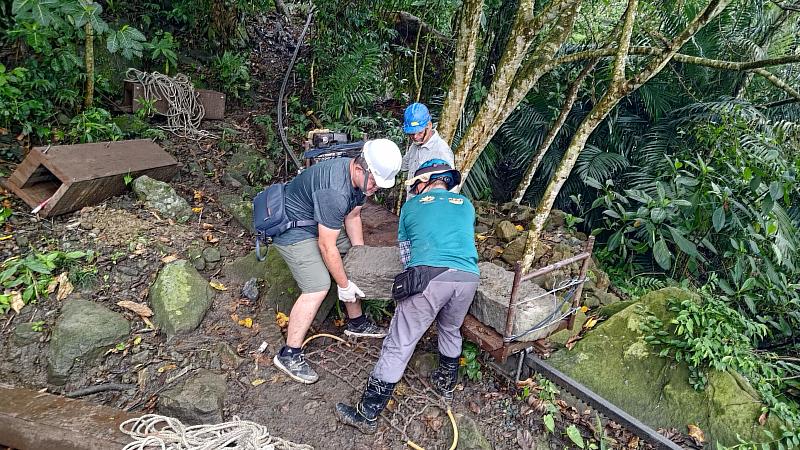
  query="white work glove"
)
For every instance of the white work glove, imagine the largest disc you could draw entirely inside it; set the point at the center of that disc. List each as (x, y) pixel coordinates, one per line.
(348, 294)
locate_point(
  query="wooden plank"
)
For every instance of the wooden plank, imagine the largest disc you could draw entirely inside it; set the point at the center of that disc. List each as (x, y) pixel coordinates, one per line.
(102, 159)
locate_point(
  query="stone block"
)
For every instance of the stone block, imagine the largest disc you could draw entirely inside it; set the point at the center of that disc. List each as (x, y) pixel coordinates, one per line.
(490, 305)
(373, 269)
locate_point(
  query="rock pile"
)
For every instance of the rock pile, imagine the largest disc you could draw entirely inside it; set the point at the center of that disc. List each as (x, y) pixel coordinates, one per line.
(501, 232)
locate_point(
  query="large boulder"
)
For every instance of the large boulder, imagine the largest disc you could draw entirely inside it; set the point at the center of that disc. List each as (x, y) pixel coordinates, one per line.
(82, 334)
(241, 210)
(198, 400)
(281, 290)
(246, 267)
(614, 361)
(373, 269)
(161, 197)
(180, 298)
(490, 305)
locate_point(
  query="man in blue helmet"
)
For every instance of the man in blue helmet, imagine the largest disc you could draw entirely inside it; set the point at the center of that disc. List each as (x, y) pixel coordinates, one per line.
(426, 144)
(443, 255)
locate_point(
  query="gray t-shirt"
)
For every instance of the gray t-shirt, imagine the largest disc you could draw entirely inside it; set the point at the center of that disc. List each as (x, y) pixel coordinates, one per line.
(324, 193)
(435, 148)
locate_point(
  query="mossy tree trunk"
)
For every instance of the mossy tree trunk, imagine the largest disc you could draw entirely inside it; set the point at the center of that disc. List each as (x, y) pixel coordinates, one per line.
(620, 87)
(88, 99)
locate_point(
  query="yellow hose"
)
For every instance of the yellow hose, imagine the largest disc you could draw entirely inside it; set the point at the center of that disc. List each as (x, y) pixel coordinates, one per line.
(455, 434)
(324, 335)
(455, 429)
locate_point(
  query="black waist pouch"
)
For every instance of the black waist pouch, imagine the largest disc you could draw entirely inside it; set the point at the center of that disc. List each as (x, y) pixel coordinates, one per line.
(414, 280)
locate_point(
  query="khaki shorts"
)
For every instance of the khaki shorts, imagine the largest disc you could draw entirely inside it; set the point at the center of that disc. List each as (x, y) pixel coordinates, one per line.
(306, 264)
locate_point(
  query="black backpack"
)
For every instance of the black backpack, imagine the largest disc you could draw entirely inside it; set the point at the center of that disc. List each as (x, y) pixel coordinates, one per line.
(269, 216)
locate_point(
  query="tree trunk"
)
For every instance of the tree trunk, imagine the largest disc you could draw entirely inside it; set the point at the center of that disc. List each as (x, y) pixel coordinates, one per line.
(572, 95)
(512, 82)
(617, 91)
(463, 66)
(89, 61)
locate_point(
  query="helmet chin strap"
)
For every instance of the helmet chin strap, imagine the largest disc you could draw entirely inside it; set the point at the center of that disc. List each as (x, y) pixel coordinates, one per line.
(366, 181)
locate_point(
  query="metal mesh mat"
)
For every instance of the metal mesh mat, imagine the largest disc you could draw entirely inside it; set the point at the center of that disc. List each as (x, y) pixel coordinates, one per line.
(352, 362)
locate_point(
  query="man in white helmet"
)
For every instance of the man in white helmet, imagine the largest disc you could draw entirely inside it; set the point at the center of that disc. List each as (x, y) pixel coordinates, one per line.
(330, 193)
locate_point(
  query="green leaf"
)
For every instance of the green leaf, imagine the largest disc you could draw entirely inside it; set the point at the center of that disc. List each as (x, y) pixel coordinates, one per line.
(684, 244)
(718, 219)
(662, 254)
(657, 215)
(575, 436)
(776, 190)
(549, 422)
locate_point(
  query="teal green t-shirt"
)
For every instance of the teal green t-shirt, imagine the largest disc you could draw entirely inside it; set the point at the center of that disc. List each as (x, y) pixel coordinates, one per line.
(440, 228)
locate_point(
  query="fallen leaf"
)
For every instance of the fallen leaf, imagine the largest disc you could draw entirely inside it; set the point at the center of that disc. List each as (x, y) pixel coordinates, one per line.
(64, 286)
(208, 237)
(168, 259)
(148, 323)
(7, 237)
(137, 340)
(633, 442)
(474, 407)
(338, 322)
(282, 320)
(197, 210)
(590, 323)
(584, 308)
(480, 237)
(138, 308)
(52, 286)
(217, 285)
(762, 419)
(16, 302)
(696, 433)
(258, 381)
(207, 226)
(247, 322)
(198, 195)
(167, 368)
(519, 227)
(571, 341)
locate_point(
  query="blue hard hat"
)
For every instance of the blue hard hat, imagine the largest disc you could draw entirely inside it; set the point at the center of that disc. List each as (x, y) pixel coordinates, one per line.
(416, 118)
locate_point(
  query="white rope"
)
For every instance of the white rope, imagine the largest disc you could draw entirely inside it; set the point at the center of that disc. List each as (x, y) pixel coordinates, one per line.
(184, 112)
(153, 431)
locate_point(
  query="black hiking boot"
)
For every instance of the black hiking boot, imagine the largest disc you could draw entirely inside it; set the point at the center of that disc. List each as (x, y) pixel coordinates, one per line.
(295, 366)
(364, 415)
(444, 377)
(367, 328)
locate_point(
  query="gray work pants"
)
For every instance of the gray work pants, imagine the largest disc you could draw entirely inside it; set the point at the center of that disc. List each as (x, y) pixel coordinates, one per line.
(446, 300)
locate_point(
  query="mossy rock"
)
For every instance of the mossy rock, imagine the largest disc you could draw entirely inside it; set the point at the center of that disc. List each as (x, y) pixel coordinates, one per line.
(180, 297)
(241, 210)
(282, 291)
(614, 361)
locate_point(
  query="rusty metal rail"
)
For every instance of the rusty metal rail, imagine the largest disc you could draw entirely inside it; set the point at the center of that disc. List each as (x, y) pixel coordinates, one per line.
(602, 405)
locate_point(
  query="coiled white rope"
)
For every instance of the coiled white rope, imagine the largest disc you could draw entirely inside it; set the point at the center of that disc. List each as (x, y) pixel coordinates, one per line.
(153, 431)
(184, 112)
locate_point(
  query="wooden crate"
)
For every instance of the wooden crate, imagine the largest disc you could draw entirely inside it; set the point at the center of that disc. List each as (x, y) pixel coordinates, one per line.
(213, 101)
(70, 177)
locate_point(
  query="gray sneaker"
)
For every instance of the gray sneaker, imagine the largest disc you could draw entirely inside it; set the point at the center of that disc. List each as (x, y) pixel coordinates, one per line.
(296, 367)
(367, 329)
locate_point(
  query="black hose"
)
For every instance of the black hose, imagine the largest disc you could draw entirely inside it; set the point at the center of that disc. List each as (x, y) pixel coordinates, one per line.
(281, 128)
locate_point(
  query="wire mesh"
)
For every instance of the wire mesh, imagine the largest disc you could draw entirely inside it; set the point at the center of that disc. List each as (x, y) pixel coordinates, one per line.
(352, 362)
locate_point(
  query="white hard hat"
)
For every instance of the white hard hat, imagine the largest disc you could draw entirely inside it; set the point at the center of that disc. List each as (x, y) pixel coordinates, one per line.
(383, 161)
